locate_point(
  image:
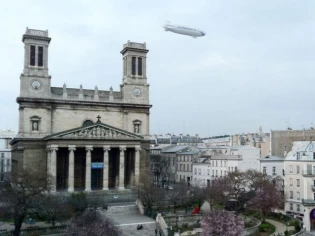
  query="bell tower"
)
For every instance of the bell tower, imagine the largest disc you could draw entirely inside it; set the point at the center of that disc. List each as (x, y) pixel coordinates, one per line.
(35, 80)
(135, 88)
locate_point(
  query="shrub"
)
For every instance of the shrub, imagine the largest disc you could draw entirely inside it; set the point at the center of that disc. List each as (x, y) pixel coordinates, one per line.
(297, 226)
(78, 201)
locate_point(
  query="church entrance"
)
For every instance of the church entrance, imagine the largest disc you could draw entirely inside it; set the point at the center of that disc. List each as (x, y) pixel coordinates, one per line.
(312, 220)
(129, 168)
(62, 169)
(97, 166)
(113, 168)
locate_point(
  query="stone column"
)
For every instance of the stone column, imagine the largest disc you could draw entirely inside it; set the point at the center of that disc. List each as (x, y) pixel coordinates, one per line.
(105, 170)
(71, 168)
(137, 164)
(53, 166)
(88, 168)
(122, 167)
(48, 164)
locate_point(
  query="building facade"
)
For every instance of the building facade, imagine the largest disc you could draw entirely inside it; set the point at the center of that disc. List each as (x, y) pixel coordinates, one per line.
(84, 138)
(5, 152)
(299, 183)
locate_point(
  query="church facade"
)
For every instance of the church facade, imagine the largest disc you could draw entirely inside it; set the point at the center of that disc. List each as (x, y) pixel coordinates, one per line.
(85, 139)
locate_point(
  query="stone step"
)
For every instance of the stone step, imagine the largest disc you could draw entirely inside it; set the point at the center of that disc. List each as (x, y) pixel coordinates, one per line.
(122, 210)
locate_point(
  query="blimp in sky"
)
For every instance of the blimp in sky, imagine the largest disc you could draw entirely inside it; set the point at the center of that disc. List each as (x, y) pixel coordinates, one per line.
(179, 29)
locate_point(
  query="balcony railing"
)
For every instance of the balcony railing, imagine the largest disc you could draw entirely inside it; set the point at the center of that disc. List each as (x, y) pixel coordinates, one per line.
(308, 202)
(308, 173)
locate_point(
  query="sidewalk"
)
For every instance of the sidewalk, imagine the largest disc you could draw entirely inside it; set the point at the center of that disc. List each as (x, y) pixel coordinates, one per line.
(280, 227)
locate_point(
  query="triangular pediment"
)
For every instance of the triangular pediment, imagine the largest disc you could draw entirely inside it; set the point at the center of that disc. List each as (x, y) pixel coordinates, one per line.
(96, 131)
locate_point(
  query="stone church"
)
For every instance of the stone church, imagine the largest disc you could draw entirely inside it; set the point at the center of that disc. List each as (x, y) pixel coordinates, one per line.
(86, 139)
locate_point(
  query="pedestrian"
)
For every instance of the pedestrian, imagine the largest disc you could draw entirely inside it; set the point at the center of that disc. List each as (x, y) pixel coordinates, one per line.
(160, 233)
(156, 231)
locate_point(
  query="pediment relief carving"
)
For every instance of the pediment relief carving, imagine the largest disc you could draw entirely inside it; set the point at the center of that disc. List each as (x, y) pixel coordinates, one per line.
(98, 131)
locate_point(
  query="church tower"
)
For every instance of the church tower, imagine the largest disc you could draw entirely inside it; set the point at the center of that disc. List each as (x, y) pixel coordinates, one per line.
(135, 88)
(35, 80)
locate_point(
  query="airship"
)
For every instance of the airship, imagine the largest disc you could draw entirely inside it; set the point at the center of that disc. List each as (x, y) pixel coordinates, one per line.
(179, 29)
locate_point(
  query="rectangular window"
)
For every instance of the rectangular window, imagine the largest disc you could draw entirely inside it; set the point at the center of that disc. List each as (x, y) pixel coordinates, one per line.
(297, 195)
(264, 170)
(297, 183)
(235, 168)
(221, 173)
(313, 155)
(32, 55)
(297, 207)
(212, 172)
(195, 171)
(274, 170)
(216, 173)
(298, 169)
(291, 194)
(291, 182)
(199, 171)
(139, 66)
(291, 169)
(291, 206)
(40, 56)
(208, 172)
(133, 66)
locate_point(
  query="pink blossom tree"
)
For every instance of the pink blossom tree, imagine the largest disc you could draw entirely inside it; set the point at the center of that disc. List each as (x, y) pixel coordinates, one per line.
(222, 223)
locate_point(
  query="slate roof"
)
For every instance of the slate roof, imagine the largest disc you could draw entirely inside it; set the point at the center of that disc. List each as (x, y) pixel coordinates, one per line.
(176, 149)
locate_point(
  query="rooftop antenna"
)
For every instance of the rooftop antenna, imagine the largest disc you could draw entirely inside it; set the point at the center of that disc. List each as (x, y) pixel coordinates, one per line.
(288, 124)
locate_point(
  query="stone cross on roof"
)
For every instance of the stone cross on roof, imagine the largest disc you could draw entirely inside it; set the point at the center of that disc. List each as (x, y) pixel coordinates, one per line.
(98, 119)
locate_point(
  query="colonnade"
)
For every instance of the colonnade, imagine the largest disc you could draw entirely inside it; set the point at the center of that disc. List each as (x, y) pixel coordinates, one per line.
(52, 165)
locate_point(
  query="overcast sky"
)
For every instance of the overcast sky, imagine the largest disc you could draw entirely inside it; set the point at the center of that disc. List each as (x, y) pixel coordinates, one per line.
(255, 66)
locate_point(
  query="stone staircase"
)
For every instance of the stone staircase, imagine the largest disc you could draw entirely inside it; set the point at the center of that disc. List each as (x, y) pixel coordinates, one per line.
(127, 217)
(114, 211)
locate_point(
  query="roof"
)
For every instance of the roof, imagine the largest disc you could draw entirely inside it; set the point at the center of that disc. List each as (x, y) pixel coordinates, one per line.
(272, 158)
(191, 152)
(304, 148)
(161, 146)
(176, 149)
(239, 147)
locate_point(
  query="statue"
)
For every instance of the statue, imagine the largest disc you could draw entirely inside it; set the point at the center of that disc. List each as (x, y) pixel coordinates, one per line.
(35, 126)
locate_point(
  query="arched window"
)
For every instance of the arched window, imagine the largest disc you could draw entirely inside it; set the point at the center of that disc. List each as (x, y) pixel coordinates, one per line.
(87, 123)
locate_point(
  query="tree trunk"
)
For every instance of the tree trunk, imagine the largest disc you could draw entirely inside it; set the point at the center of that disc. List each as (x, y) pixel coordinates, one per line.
(18, 221)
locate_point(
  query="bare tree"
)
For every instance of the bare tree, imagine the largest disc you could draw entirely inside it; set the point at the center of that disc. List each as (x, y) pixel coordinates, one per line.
(21, 193)
(177, 196)
(150, 195)
(267, 197)
(55, 208)
(238, 188)
(92, 223)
